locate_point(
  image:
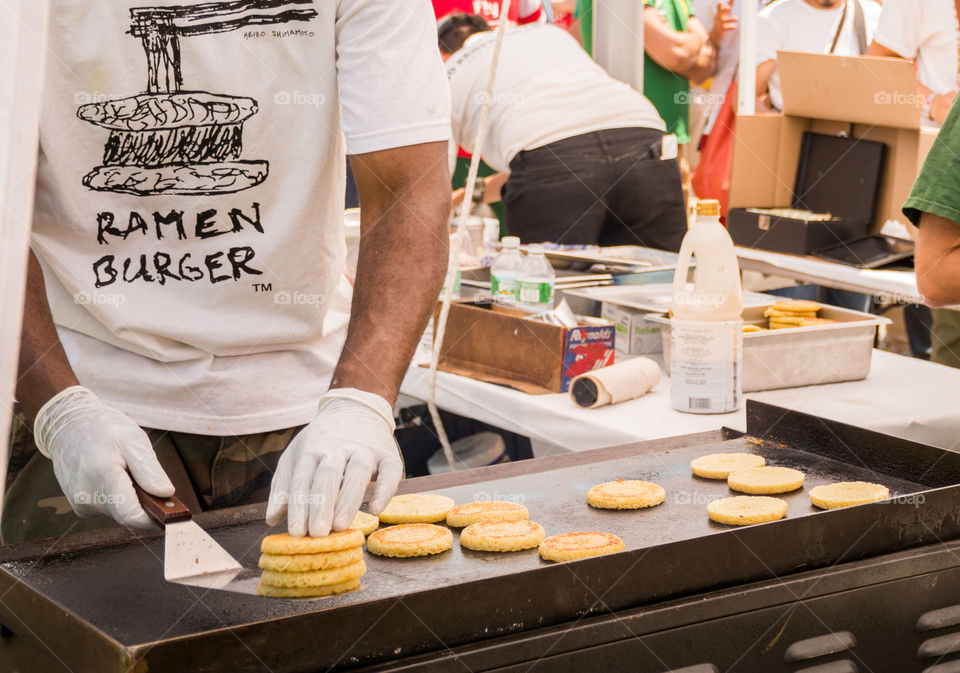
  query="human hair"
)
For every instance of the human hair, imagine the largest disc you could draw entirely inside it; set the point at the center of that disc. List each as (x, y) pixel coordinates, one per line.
(454, 30)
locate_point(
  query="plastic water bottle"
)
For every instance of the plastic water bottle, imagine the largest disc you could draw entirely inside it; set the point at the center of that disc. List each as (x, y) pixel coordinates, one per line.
(504, 272)
(535, 282)
(706, 333)
(491, 241)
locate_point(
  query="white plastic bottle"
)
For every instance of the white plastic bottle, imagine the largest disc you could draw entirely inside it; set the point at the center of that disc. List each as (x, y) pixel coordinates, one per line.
(706, 333)
(536, 282)
(505, 270)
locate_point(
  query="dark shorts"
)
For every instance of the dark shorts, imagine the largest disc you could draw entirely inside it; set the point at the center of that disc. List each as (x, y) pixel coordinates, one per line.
(946, 337)
(208, 473)
(607, 188)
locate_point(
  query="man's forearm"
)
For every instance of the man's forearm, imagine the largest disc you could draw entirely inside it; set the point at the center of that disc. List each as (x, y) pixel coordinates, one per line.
(405, 210)
(44, 368)
(705, 64)
(940, 285)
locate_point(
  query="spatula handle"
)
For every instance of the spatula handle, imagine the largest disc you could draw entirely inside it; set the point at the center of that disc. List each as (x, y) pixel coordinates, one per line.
(162, 510)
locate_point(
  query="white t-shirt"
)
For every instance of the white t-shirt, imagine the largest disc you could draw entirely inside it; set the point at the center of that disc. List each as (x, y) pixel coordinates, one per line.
(193, 242)
(794, 25)
(927, 32)
(547, 89)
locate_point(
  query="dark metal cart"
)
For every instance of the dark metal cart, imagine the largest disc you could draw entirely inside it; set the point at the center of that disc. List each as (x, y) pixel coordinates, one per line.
(868, 588)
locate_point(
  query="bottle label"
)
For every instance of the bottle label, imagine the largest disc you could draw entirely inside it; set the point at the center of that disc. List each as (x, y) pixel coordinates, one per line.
(705, 366)
(535, 292)
(503, 286)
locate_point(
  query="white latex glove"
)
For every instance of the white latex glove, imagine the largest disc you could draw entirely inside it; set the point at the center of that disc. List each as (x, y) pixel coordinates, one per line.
(92, 446)
(322, 476)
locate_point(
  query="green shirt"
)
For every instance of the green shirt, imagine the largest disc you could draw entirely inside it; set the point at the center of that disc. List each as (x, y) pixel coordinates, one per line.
(937, 189)
(669, 92)
(584, 14)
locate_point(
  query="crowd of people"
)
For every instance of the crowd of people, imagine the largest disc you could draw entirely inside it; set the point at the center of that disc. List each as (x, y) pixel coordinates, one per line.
(187, 324)
(692, 54)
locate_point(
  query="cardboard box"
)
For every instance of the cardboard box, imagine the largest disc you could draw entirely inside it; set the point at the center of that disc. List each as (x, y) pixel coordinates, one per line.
(870, 98)
(494, 343)
(634, 335)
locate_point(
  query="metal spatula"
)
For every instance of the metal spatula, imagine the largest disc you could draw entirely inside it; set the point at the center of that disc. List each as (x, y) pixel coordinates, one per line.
(191, 556)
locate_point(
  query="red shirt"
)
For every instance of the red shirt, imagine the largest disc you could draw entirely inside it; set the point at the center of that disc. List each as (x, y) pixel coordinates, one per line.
(489, 9)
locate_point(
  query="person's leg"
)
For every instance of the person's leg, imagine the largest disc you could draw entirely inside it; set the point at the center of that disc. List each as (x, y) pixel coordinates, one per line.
(918, 323)
(34, 506)
(945, 348)
(844, 299)
(646, 199)
(556, 193)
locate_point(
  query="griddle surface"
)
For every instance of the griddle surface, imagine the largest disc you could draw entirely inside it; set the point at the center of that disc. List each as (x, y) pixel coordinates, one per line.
(121, 591)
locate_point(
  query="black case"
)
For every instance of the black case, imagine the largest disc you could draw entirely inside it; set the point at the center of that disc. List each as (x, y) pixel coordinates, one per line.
(835, 175)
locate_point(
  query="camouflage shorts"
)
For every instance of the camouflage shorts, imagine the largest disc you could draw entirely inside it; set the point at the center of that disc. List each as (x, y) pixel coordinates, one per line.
(208, 473)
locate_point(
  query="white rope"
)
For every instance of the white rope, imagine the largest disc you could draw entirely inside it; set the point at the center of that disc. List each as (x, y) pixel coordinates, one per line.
(441, 326)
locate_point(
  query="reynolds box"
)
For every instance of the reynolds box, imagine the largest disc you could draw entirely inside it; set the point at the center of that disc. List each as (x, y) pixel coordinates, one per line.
(495, 343)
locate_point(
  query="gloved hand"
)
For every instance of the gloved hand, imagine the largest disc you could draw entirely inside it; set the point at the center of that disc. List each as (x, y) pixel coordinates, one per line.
(92, 446)
(322, 476)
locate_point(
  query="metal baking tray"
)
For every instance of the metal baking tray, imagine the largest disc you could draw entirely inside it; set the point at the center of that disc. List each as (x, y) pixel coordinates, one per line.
(107, 609)
(800, 356)
(651, 298)
(623, 257)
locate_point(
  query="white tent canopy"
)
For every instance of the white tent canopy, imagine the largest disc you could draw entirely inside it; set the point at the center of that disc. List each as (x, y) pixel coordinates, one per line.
(22, 48)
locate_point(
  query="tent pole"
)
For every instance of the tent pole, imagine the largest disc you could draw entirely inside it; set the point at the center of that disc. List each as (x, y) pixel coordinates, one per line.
(23, 46)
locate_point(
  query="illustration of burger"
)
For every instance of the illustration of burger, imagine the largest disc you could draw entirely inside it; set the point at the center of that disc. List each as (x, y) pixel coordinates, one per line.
(170, 141)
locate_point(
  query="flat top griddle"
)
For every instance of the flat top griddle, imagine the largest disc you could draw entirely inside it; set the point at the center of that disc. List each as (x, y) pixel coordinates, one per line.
(117, 596)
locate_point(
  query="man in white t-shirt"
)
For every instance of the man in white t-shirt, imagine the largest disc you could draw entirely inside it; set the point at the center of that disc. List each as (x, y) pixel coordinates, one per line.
(924, 32)
(843, 27)
(187, 313)
(584, 156)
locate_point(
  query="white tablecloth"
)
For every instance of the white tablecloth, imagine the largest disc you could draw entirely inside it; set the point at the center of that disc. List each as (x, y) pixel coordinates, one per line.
(902, 396)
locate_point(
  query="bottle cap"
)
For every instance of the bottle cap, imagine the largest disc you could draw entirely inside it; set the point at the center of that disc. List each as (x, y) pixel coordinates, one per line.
(708, 208)
(535, 248)
(510, 242)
